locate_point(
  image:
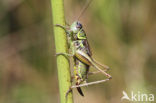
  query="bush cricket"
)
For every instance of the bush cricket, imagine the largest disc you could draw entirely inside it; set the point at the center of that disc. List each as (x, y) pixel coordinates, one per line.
(82, 56)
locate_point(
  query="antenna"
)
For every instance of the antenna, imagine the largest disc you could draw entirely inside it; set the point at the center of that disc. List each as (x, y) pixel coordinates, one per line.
(84, 9)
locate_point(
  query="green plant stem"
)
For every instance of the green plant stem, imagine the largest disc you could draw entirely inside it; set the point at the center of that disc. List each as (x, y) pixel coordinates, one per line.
(61, 47)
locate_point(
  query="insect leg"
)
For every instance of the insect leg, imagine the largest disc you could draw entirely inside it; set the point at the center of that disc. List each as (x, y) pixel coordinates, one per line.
(72, 51)
(63, 27)
(69, 90)
(65, 54)
(96, 67)
(88, 60)
(90, 83)
(92, 73)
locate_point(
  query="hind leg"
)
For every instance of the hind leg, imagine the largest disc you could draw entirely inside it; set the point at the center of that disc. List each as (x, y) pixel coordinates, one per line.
(90, 83)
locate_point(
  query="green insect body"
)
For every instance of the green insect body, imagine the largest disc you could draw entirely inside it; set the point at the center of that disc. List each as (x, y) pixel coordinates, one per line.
(80, 71)
(80, 51)
(79, 42)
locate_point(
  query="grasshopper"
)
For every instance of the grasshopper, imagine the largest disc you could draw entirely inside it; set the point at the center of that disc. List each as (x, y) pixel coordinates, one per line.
(82, 56)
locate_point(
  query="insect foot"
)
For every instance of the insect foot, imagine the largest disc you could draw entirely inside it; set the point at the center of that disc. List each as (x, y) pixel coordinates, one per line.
(70, 90)
(58, 25)
(109, 76)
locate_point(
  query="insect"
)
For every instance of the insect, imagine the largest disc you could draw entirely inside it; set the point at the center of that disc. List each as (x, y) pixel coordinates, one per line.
(82, 56)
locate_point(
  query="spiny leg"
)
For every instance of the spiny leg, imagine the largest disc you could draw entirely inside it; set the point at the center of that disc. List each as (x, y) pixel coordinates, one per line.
(108, 75)
(102, 71)
(91, 83)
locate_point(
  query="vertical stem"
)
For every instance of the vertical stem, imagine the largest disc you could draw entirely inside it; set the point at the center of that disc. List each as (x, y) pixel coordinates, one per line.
(61, 47)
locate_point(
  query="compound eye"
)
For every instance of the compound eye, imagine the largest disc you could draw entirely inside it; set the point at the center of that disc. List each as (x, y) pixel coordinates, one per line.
(79, 25)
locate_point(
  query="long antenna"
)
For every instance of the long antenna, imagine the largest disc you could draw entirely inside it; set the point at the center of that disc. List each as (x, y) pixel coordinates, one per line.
(84, 9)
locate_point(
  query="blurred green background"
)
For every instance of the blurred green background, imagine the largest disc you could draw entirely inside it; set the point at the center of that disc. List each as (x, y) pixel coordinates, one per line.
(121, 33)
